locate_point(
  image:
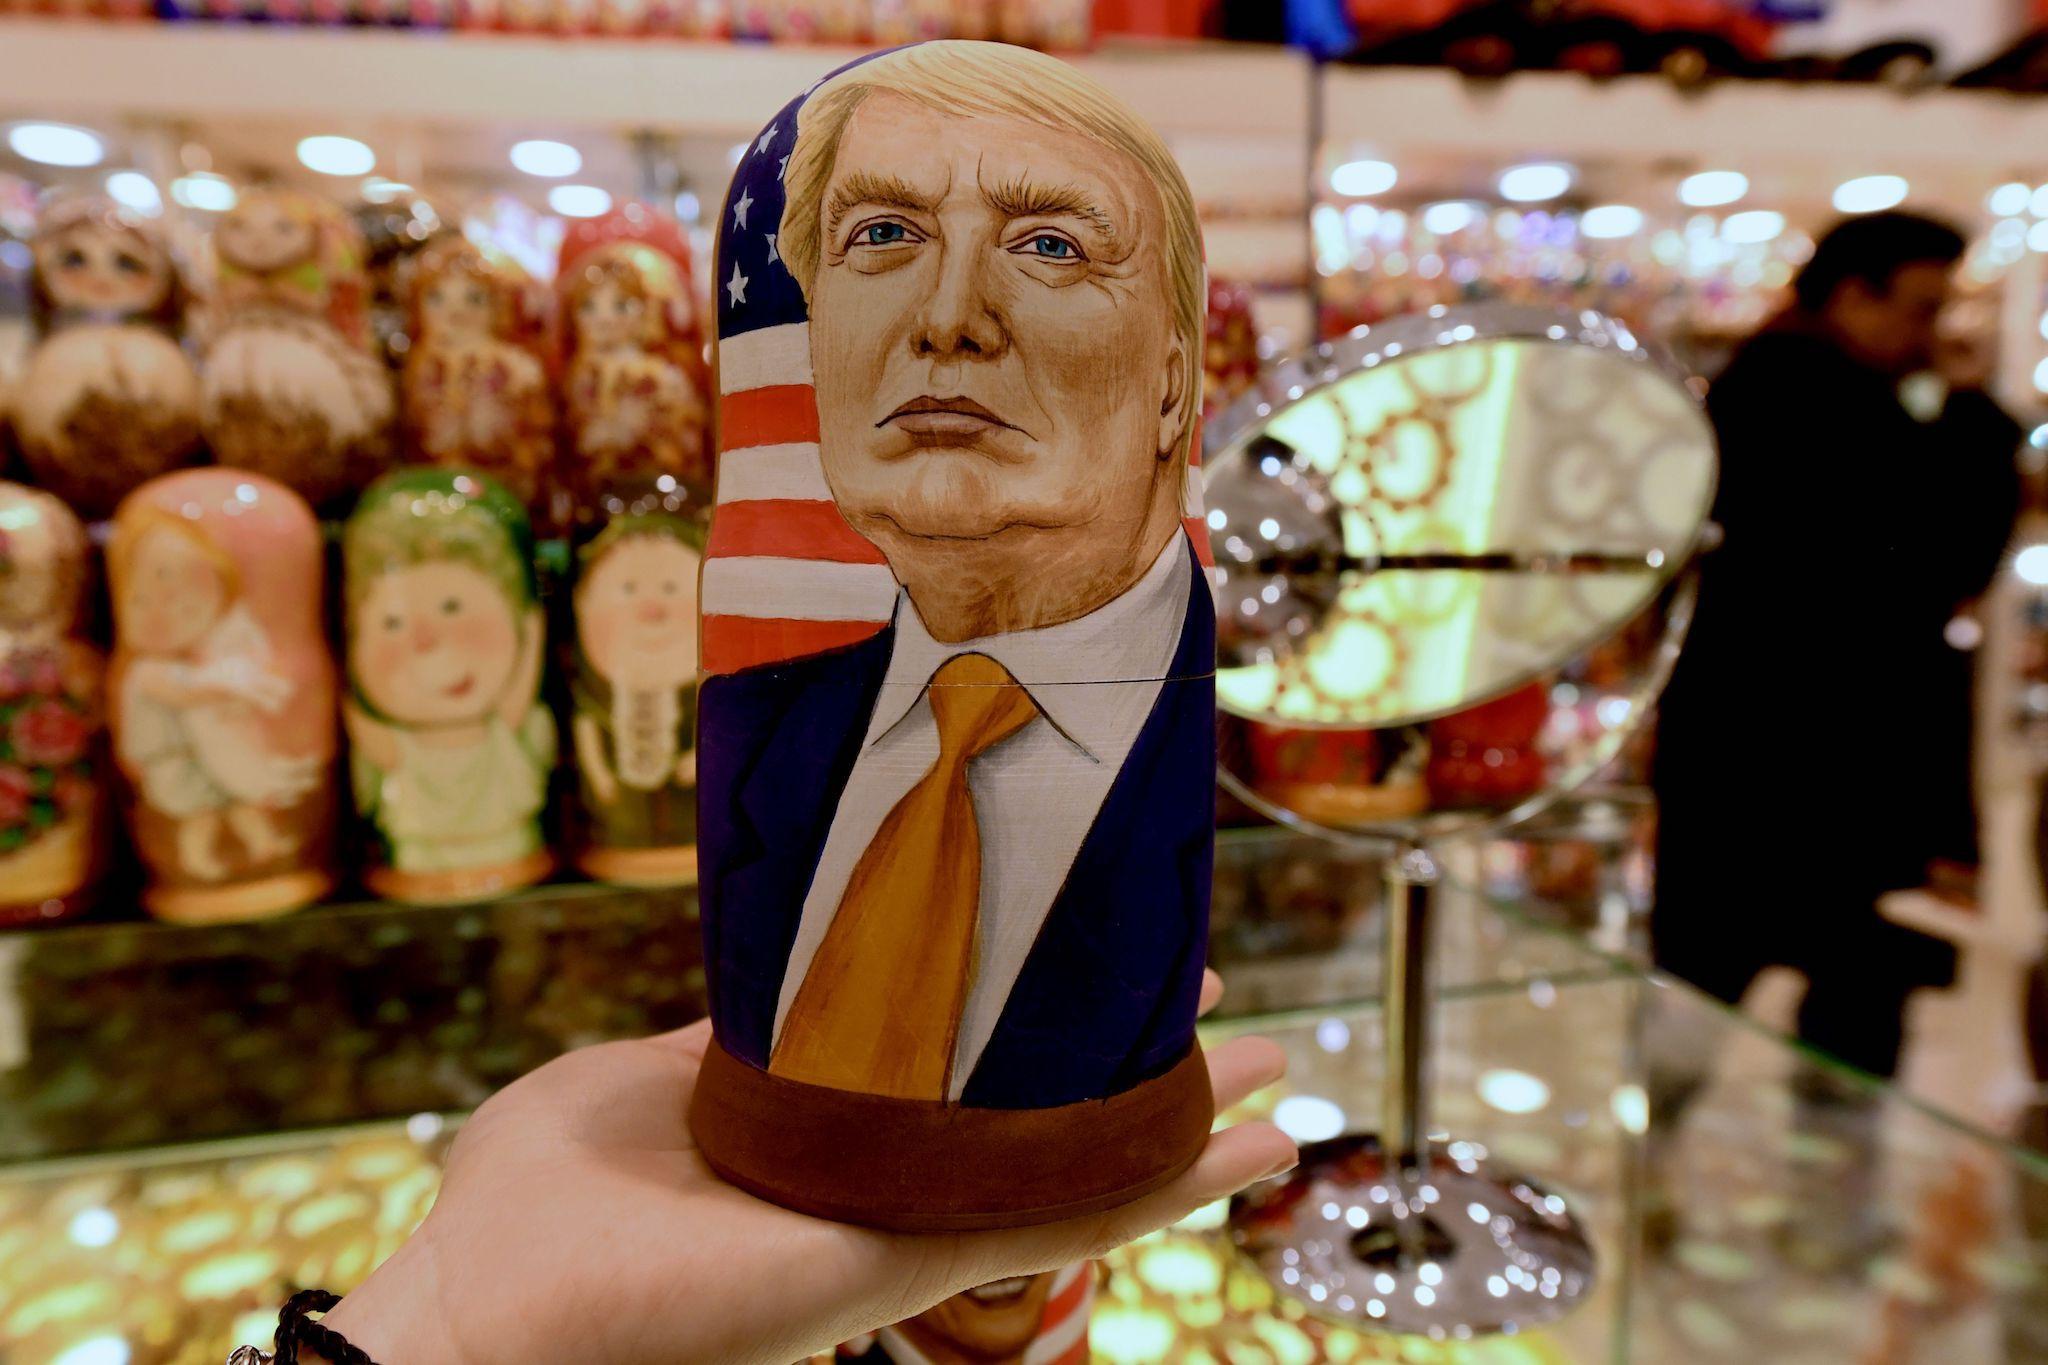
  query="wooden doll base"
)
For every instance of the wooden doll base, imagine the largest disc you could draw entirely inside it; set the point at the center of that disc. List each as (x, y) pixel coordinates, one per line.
(924, 1166)
(459, 884)
(641, 866)
(263, 899)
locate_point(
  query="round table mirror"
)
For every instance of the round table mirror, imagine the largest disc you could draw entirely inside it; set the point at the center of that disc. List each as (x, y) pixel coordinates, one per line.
(1449, 585)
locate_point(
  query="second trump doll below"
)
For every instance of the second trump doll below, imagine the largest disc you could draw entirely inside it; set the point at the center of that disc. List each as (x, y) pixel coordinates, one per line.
(222, 694)
(450, 743)
(956, 740)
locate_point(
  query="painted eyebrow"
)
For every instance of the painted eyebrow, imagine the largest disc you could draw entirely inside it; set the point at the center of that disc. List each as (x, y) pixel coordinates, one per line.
(863, 187)
(1022, 198)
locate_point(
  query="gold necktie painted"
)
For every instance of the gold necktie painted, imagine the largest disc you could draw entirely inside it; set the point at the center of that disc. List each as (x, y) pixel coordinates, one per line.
(879, 1009)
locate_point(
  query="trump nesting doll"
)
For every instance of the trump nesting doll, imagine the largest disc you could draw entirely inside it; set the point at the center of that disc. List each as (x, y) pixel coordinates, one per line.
(223, 694)
(956, 735)
(50, 798)
(449, 742)
(109, 399)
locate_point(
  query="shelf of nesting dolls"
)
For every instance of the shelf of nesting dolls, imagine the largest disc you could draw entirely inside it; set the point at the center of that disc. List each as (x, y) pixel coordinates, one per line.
(116, 1034)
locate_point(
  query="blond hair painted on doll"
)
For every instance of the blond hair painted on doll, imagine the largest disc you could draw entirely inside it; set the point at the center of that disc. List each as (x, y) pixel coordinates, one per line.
(972, 79)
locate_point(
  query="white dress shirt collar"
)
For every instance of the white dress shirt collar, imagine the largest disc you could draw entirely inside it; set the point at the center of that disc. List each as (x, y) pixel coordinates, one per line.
(1131, 638)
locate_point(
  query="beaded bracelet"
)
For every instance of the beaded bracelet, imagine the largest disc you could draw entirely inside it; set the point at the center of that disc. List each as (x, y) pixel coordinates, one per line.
(296, 1329)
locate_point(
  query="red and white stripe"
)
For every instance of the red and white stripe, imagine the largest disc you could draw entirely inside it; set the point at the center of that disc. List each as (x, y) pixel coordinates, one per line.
(784, 575)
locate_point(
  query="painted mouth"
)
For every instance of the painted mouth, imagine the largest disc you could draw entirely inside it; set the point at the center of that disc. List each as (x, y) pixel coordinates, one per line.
(929, 416)
(1003, 1291)
(461, 689)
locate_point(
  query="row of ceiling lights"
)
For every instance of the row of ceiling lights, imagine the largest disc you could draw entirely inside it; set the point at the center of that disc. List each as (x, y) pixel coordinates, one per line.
(1539, 182)
(63, 144)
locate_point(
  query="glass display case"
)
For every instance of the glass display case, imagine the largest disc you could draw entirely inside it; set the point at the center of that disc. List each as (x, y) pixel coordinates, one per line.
(198, 1120)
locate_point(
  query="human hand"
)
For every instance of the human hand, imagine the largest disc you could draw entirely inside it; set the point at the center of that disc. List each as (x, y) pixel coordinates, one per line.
(577, 1221)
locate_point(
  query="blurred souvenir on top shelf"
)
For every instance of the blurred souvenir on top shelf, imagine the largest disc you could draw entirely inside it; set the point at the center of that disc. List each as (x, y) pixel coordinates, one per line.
(476, 391)
(222, 687)
(108, 398)
(1230, 356)
(290, 386)
(638, 388)
(51, 798)
(451, 744)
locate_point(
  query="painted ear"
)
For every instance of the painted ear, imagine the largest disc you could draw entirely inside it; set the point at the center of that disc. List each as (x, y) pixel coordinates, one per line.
(1174, 399)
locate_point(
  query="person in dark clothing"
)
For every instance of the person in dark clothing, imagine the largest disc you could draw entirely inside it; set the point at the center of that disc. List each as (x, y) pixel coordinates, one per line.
(1813, 751)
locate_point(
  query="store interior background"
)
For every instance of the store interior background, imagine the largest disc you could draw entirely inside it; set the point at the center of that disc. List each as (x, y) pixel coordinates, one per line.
(192, 1118)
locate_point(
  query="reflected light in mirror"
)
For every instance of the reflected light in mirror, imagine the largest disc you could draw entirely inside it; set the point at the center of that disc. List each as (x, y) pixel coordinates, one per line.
(1711, 189)
(1358, 179)
(1513, 1092)
(1608, 221)
(1871, 193)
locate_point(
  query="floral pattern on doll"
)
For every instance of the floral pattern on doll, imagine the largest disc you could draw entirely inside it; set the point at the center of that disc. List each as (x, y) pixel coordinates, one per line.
(636, 394)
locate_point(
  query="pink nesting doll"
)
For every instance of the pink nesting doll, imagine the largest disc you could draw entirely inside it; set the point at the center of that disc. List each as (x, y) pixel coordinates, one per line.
(109, 398)
(223, 707)
(50, 789)
(956, 737)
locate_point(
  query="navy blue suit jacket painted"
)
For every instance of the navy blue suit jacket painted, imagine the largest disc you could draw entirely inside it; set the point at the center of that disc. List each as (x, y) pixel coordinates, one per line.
(1106, 998)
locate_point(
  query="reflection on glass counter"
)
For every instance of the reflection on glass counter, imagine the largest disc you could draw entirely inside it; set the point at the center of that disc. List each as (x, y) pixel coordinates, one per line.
(1749, 1204)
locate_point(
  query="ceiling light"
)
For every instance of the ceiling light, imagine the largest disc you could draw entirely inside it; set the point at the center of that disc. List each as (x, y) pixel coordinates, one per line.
(2008, 199)
(2041, 376)
(1711, 189)
(204, 190)
(1611, 220)
(1513, 1092)
(378, 190)
(56, 144)
(2037, 203)
(1870, 193)
(332, 155)
(550, 159)
(1453, 215)
(134, 190)
(1756, 225)
(578, 201)
(1535, 182)
(1358, 179)
(2037, 236)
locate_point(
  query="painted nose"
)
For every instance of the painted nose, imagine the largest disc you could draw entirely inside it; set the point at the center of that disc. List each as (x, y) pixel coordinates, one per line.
(425, 637)
(961, 320)
(653, 613)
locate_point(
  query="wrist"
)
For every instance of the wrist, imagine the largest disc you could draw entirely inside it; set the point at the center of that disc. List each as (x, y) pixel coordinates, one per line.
(394, 1317)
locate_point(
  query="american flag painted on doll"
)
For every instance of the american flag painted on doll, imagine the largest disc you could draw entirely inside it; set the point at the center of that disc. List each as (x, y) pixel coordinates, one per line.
(784, 575)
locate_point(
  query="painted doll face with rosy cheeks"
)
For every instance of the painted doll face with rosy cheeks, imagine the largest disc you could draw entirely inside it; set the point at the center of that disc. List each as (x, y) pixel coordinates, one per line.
(636, 613)
(436, 644)
(994, 1323)
(171, 596)
(610, 316)
(103, 270)
(457, 305)
(263, 234)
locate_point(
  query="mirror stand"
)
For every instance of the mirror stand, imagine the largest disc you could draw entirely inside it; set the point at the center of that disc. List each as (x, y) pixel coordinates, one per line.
(1400, 1231)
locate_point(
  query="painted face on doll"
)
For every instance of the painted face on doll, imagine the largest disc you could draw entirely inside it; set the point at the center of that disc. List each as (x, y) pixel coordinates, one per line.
(29, 576)
(437, 644)
(636, 613)
(99, 269)
(994, 1323)
(263, 234)
(171, 595)
(610, 316)
(455, 306)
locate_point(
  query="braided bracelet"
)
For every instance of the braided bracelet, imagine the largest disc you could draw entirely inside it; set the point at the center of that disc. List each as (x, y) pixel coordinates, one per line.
(296, 1329)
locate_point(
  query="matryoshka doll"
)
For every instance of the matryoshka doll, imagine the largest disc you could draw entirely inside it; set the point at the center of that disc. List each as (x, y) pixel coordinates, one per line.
(291, 387)
(108, 398)
(50, 800)
(451, 745)
(634, 692)
(1230, 360)
(476, 393)
(222, 694)
(637, 386)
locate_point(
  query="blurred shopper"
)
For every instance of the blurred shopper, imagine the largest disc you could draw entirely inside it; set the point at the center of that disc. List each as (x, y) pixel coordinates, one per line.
(1814, 746)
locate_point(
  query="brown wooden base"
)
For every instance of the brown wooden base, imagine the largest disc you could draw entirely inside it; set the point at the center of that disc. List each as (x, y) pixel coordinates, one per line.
(641, 866)
(459, 884)
(263, 898)
(923, 1166)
